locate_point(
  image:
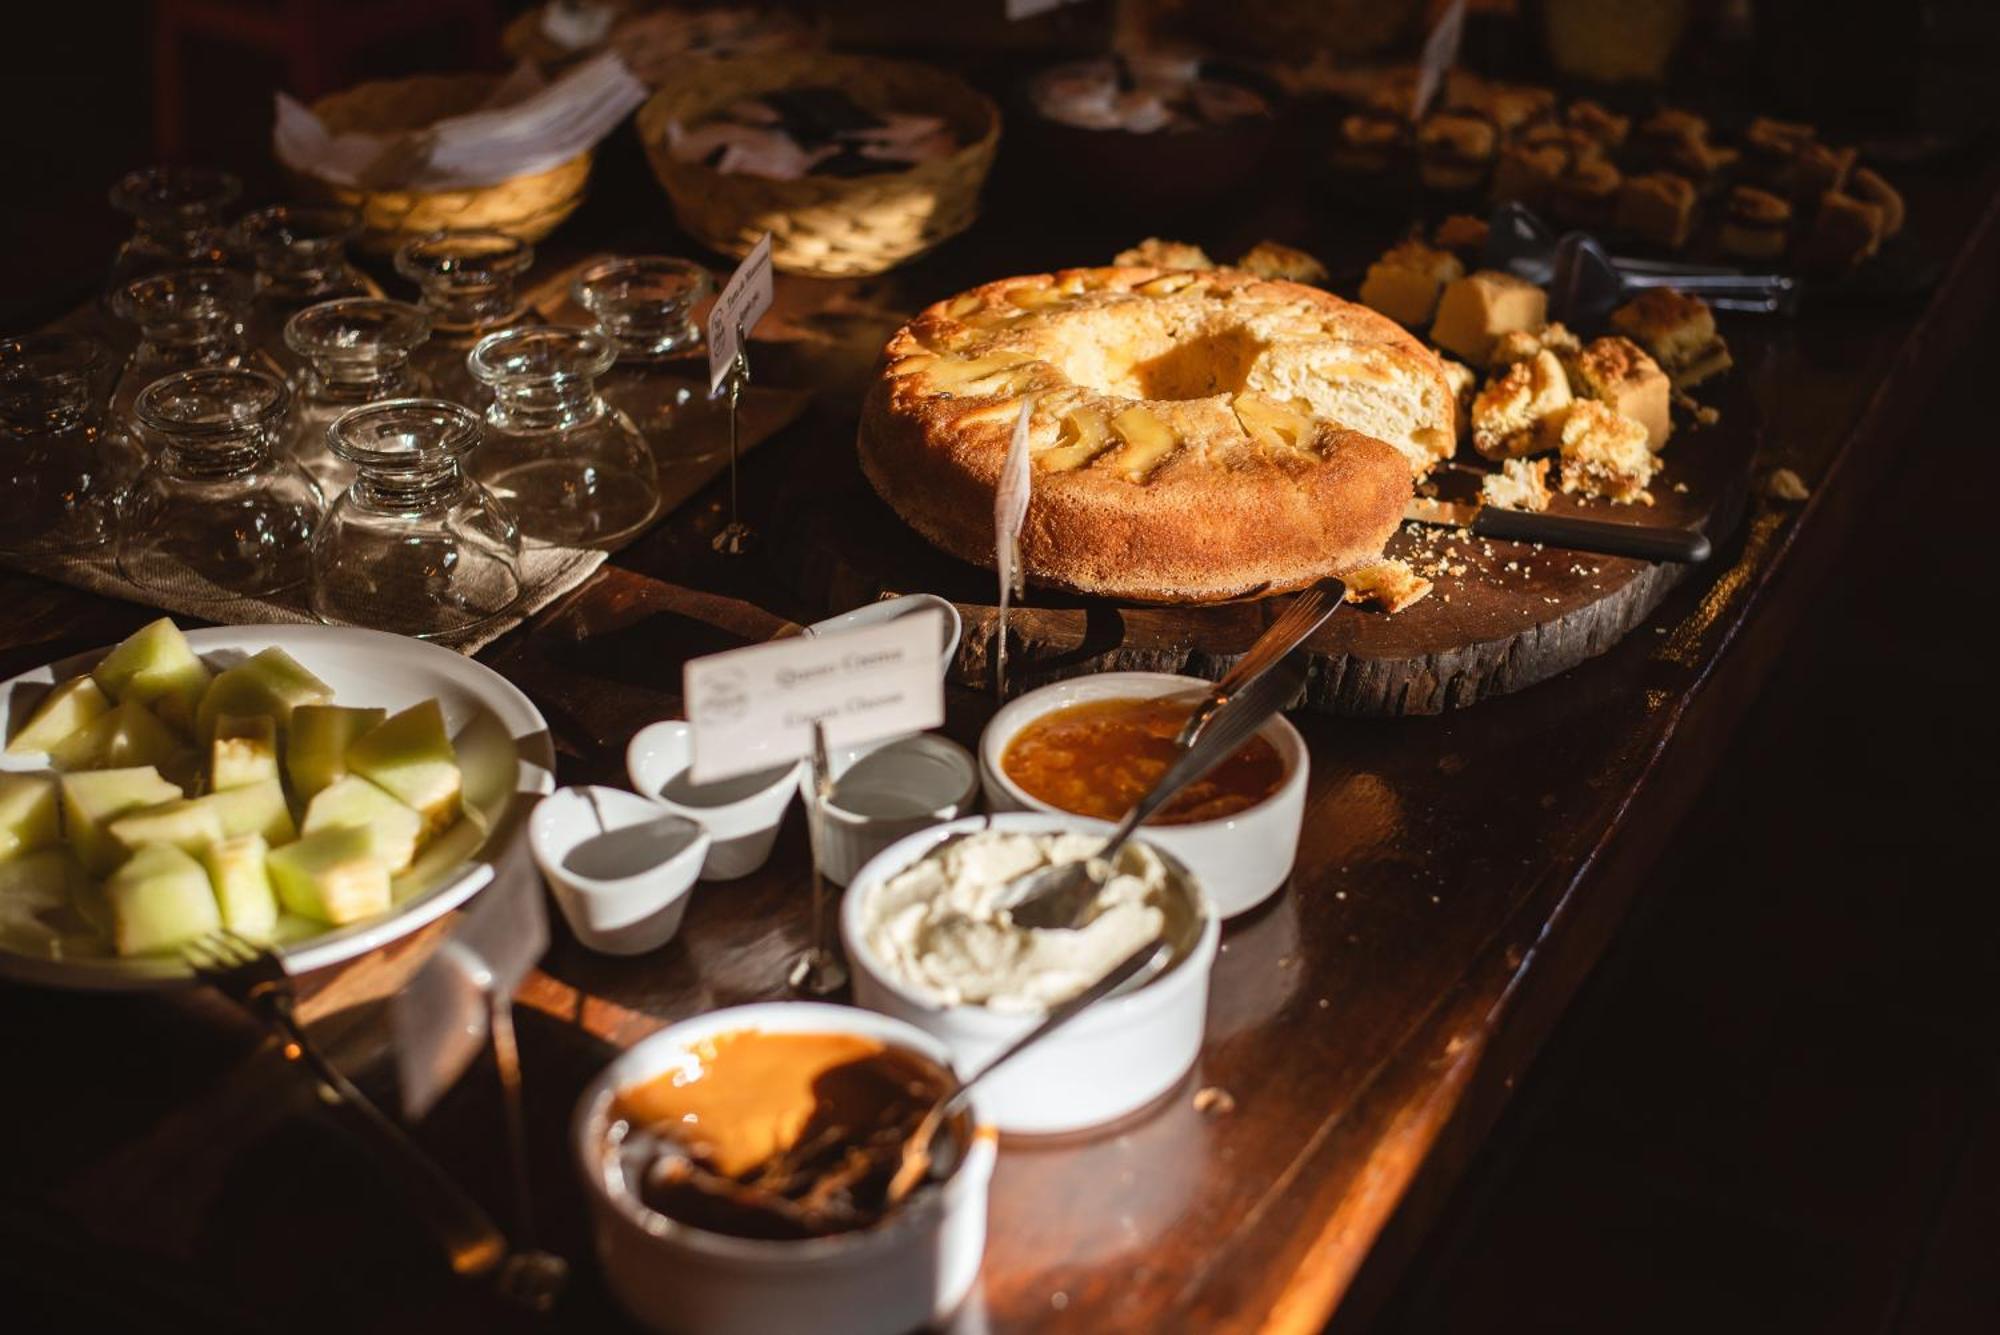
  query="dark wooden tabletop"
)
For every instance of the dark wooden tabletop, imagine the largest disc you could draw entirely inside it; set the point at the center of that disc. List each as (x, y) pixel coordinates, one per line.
(1457, 878)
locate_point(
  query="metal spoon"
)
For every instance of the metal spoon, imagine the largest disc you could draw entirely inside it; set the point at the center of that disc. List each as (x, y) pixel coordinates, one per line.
(1056, 896)
(1305, 614)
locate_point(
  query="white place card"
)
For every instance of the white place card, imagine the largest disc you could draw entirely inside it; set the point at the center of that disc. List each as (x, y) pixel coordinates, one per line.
(742, 304)
(754, 708)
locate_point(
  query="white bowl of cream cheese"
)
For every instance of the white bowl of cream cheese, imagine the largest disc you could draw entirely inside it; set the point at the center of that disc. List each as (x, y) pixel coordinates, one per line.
(929, 947)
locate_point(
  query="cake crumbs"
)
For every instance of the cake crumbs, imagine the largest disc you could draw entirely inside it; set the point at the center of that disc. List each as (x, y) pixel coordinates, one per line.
(1785, 485)
(1214, 1100)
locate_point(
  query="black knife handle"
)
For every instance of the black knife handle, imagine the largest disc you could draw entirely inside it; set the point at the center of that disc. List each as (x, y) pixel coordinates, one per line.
(1592, 535)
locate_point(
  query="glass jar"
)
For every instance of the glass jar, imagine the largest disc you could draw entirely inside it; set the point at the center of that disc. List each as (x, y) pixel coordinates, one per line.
(187, 318)
(352, 351)
(60, 469)
(573, 469)
(414, 545)
(300, 251)
(646, 306)
(176, 217)
(469, 284)
(216, 513)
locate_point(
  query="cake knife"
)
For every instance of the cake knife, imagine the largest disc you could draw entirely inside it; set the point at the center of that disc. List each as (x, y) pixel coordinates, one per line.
(1644, 541)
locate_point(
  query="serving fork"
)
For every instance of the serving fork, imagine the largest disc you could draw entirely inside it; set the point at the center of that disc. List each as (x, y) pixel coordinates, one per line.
(1306, 613)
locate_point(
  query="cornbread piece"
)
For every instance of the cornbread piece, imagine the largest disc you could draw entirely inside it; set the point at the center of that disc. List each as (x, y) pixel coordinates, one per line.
(1786, 485)
(1616, 372)
(1604, 454)
(1756, 225)
(1771, 146)
(1585, 194)
(1521, 484)
(1817, 169)
(1528, 172)
(1679, 330)
(1194, 436)
(1369, 143)
(1519, 409)
(1844, 232)
(1658, 206)
(1607, 127)
(1520, 345)
(1404, 284)
(1869, 187)
(1476, 310)
(1268, 259)
(1155, 253)
(1388, 585)
(1513, 106)
(1464, 382)
(1463, 235)
(1666, 133)
(1455, 149)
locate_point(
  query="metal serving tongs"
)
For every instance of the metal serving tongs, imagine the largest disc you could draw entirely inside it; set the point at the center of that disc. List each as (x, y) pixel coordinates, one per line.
(1306, 613)
(1585, 281)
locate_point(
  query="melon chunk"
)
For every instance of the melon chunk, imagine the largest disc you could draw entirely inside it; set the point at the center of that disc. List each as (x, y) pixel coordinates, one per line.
(410, 757)
(316, 747)
(270, 682)
(255, 808)
(242, 886)
(159, 899)
(155, 666)
(332, 876)
(118, 739)
(91, 801)
(245, 751)
(355, 803)
(29, 817)
(189, 824)
(70, 707)
(37, 894)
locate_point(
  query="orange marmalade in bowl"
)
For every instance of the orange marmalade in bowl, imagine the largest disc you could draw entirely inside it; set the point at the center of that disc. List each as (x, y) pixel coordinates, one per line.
(1098, 758)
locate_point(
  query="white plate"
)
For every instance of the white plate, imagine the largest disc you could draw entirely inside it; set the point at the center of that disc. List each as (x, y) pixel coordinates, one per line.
(364, 668)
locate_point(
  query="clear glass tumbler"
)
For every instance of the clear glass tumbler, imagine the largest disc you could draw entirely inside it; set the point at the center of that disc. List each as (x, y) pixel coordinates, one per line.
(352, 351)
(469, 281)
(217, 513)
(176, 217)
(414, 545)
(645, 305)
(300, 251)
(573, 469)
(187, 318)
(60, 469)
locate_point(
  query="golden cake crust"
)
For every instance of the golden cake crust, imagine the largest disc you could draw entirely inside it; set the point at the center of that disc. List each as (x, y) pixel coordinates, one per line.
(1182, 448)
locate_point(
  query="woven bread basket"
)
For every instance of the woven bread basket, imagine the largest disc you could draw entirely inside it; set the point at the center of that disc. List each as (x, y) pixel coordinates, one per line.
(826, 226)
(528, 207)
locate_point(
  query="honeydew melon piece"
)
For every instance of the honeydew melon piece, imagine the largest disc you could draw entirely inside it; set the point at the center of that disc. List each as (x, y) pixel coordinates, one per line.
(489, 766)
(245, 751)
(159, 899)
(127, 735)
(255, 808)
(355, 803)
(29, 815)
(269, 682)
(68, 708)
(410, 756)
(441, 857)
(330, 876)
(243, 893)
(37, 908)
(316, 745)
(155, 666)
(92, 800)
(189, 824)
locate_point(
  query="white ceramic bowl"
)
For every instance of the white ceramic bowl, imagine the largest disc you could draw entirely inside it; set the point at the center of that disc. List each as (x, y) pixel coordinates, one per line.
(619, 867)
(908, 1272)
(1241, 861)
(889, 609)
(1114, 1059)
(884, 791)
(741, 815)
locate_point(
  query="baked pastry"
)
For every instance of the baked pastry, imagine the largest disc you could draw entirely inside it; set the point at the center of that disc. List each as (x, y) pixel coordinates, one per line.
(1619, 374)
(1456, 148)
(1464, 236)
(1521, 484)
(1867, 186)
(1405, 282)
(1195, 436)
(1512, 107)
(1666, 133)
(1844, 232)
(1520, 345)
(1476, 310)
(1464, 382)
(1756, 225)
(1369, 143)
(1268, 259)
(1389, 584)
(1770, 146)
(1658, 206)
(1603, 125)
(1817, 169)
(1529, 171)
(1156, 253)
(1515, 413)
(1584, 195)
(1679, 330)
(1604, 454)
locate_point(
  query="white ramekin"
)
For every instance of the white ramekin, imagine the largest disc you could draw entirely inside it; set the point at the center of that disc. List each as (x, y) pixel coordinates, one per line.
(630, 913)
(890, 609)
(740, 831)
(1113, 1059)
(932, 771)
(911, 1270)
(1240, 861)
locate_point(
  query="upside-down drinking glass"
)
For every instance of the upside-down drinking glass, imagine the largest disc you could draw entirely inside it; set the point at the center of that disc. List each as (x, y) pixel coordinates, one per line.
(187, 318)
(60, 469)
(645, 304)
(352, 351)
(469, 281)
(300, 251)
(176, 217)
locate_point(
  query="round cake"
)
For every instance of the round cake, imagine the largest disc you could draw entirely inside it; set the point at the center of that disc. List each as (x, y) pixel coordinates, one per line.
(1194, 436)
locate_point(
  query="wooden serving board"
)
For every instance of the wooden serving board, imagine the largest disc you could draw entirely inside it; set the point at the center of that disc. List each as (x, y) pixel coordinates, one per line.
(1501, 617)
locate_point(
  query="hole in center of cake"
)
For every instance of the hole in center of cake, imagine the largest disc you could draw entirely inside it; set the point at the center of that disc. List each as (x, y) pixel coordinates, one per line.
(1163, 364)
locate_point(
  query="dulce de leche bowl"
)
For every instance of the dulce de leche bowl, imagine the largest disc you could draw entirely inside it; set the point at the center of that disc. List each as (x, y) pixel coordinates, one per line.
(752, 1092)
(1242, 858)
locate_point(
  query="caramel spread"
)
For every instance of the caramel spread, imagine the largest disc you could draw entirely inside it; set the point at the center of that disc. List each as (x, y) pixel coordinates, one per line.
(1100, 757)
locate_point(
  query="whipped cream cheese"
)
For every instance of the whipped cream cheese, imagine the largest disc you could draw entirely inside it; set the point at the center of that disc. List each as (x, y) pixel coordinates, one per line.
(937, 929)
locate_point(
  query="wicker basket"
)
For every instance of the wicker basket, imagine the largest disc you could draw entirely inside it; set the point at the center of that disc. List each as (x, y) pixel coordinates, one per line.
(529, 207)
(825, 226)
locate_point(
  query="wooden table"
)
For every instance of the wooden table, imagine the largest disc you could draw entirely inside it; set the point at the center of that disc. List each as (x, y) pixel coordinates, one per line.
(1458, 877)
